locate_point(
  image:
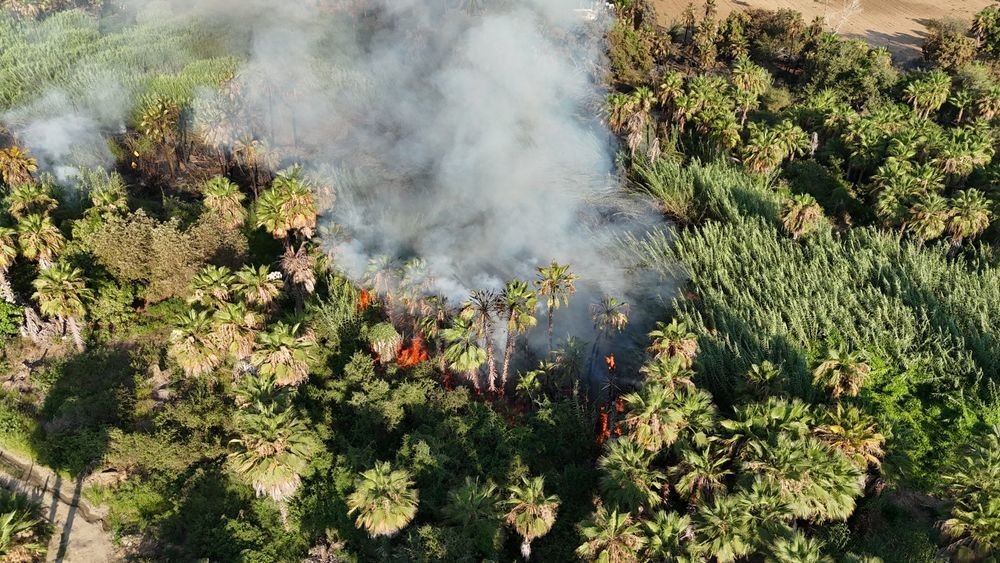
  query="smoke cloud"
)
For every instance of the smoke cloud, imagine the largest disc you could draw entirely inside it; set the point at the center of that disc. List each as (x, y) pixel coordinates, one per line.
(462, 132)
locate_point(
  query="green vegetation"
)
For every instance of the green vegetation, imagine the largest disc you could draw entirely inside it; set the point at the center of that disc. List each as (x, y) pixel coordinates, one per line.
(824, 385)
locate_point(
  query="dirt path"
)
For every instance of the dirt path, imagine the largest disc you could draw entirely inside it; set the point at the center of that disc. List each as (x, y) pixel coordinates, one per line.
(78, 528)
(896, 24)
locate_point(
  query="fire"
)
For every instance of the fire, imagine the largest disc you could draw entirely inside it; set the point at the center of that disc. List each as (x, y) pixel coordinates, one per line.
(364, 299)
(610, 360)
(413, 354)
(603, 430)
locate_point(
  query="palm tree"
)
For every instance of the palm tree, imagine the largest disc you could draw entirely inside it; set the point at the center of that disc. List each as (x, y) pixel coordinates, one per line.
(724, 529)
(763, 151)
(481, 310)
(970, 216)
(414, 284)
(650, 419)
(842, 373)
(556, 284)
(473, 503)
(674, 341)
(668, 373)
(385, 341)
(854, 433)
(610, 314)
(224, 198)
(284, 354)
(929, 217)
(257, 286)
(972, 482)
(235, 330)
(793, 139)
(39, 239)
(989, 104)
(797, 549)
(382, 276)
(272, 452)
(8, 253)
(15, 526)
(532, 513)
(667, 533)
(61, 292)
(962, 100)
(474, 507)
(464, 354)
(212, 286)
(670, 88)
(928, 94)
(700, 472)
(300, 269)
(110, 194)
(32, 198)
(802, 215)
(610, 537)
(631, 114)
(288, 206)
(627, 477)
(383, 499)
(192, 345)
(751, 81)
(17, 166)
(518, 304)
(257, 158)
(256, 393)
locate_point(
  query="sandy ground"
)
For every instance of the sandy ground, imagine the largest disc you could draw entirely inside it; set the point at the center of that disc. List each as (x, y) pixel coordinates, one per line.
(896, 24)
(78, 532)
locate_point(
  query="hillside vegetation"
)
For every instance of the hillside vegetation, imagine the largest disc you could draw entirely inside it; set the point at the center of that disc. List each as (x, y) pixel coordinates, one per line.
(823, 384)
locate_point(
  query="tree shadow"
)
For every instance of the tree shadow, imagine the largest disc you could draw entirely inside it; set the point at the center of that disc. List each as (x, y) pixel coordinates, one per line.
(204, 525)
(88, 394)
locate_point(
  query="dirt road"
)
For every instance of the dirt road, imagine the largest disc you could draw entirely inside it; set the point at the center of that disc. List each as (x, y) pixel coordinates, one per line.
(78, 528)
(896, 24)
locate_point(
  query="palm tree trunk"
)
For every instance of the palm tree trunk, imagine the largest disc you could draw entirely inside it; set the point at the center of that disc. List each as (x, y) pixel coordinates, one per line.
(526, 549)
(74, 330)
(283, 510)
(491, 361)
(474, 378)
(32, 324)
(6, 291)
(550, 328)
(508, 353)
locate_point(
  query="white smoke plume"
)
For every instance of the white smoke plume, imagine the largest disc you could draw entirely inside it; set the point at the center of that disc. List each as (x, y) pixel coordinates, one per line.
(462, 132)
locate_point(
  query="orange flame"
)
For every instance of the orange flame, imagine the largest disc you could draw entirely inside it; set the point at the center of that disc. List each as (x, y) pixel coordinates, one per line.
(610, 360)
(603, 431)
(413, 354)
(619, 405)
(364, 299)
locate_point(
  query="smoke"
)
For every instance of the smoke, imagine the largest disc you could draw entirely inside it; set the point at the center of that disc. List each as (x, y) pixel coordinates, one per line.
(461, 132)
(63, 134)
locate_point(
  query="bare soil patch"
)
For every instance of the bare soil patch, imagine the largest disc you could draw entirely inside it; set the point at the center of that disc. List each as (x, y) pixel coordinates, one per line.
(896, 24)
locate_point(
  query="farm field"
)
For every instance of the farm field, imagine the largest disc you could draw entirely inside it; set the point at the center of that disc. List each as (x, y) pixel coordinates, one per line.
(896, 24)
